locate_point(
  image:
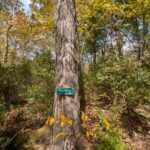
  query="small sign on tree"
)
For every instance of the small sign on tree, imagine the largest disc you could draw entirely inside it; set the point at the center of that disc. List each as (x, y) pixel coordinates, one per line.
(65, 91)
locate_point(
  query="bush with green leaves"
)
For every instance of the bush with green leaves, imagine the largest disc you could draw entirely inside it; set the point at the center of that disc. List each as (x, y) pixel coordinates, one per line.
(111, 141)
(41, 90)
(110, 134)
(31, 82)
(118, 81)
(42, 70)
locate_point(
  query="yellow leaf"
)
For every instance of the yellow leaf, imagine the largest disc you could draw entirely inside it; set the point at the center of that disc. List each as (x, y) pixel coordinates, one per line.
(84, 117)
(62, 134)
(91, 133)
(44, 27)
(58, 114)
(47, 121)
(87, 134)
(95, 135)
(78, 135)
(61, 116)
(106, 123)
(51, 121)
(96, 127)
(70, 122)
(62, 123)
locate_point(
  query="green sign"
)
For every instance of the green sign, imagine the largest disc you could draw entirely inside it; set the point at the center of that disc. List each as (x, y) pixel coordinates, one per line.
(65, 91)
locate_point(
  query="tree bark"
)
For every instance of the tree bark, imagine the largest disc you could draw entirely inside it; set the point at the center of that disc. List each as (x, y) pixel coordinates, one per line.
(104, 47)
(5, 55)
(67, 61)
(94, 53)
(144, 36)
(94, 56)
(138, 38)
(119, 43)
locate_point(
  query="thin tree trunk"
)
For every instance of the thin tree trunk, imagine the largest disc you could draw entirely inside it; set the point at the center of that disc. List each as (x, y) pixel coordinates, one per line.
(94, 56)
(5, 55)
(144, 37)
(104, 47)
(119, 44)
(138, 41)
(67, 60)
(94, 53)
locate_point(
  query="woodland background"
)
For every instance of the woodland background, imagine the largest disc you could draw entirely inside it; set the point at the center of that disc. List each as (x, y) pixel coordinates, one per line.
(114, 47)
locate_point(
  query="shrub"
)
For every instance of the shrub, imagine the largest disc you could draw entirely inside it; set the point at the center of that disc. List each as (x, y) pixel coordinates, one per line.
(118, 81)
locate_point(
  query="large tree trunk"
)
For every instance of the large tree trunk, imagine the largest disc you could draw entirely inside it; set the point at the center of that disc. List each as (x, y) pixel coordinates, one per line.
(66, 77)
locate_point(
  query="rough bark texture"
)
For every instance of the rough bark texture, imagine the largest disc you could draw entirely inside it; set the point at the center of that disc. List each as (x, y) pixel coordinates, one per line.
(66, 76)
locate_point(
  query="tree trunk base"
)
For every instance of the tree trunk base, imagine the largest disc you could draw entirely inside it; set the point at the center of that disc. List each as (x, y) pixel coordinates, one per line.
(70, 145)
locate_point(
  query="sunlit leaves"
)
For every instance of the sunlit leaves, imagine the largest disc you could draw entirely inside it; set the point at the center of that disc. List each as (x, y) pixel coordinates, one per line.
(106, 123)
(84, 117)
(64, 120)
(43, 14)
(61, 135)
(50, 121)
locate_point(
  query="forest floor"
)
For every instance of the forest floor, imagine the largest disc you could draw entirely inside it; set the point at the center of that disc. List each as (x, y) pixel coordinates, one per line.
(19, 121)
(135, 129)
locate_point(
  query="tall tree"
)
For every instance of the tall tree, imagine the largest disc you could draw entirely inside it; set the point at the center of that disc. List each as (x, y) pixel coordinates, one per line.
(66, 107)
(12, 7)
